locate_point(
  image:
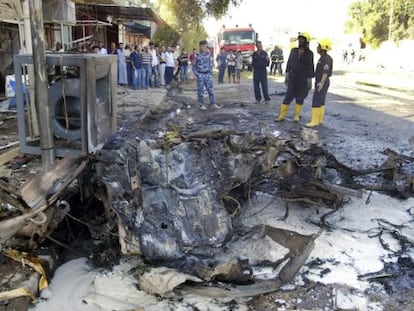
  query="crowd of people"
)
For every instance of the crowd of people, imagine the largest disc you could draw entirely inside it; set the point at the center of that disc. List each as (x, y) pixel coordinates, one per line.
(153, 66)
(150, 66)
(231, 61)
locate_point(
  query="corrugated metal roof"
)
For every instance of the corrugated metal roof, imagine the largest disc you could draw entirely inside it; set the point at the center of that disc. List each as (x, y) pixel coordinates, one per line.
(124, 13)
(138, 29)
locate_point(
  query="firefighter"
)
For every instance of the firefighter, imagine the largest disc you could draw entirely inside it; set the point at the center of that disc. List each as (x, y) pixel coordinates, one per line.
(298, 77)
(276, 57)
(322, 73)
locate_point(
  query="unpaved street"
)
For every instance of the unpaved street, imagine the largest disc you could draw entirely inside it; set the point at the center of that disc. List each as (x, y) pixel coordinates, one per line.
(370, 239)
(367, 111)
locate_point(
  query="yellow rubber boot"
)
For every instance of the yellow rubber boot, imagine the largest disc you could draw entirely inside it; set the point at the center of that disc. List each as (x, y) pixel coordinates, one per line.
(283, 111)
(321, 114)
(316, 112)
(298, 109)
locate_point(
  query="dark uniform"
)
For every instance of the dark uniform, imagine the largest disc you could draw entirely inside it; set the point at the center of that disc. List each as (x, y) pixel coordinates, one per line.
(276, 57)
(299, 69)
(324, 65)
(260, 60)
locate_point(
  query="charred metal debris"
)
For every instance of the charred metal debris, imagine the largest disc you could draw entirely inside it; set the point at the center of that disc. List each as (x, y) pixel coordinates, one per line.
(180, 200)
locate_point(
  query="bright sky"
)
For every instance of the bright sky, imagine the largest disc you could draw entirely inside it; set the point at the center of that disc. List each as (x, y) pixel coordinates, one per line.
(273, 18)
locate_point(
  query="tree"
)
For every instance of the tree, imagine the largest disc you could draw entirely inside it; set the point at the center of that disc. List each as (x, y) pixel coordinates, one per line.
(372, 17)
(185, 17)
(192, 12)
(166, 36)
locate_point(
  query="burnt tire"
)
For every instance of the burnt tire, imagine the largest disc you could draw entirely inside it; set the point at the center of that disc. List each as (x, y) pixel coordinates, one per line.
(65, 109)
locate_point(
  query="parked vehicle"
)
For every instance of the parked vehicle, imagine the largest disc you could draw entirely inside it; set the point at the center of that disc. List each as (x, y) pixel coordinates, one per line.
(243, 39)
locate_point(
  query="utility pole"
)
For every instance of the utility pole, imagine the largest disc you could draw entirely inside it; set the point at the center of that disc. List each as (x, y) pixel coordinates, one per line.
(32, 117)
(390, 20)
(41, 83)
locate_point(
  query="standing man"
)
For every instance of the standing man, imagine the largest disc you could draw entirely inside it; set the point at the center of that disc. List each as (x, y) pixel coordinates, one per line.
(231, 66)
(298, 77)
(169, 65)
(260, 60)
(127, 52)
(146, 61)
(163, 51)
(322, 73)
(136, 68)
(122, 65)
(192, 57)
(277, 60)
(183, 64)
(101, 49)
(239, 65)
(203, 70)
(221, 60)
(155, 73)
(273, 58)
(112, 49)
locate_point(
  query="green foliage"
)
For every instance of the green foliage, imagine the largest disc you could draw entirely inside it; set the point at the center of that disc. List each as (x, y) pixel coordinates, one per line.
(192, 36)
(192, 12)
(185, 17)
(166, 36)
(372, 18)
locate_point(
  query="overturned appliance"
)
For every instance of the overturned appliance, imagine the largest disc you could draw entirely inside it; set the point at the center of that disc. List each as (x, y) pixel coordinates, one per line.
(82, 102)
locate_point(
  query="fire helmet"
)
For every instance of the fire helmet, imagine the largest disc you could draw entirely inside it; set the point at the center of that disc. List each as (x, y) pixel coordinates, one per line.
(305, 35)
(325, 44)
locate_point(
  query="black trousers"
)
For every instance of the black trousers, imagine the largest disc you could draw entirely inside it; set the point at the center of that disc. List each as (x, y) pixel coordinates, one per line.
(260, 80)
(297, 88)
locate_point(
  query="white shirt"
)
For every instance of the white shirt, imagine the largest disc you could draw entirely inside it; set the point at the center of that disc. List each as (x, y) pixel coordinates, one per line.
(103, 51)
(169, 59)
(155, 61)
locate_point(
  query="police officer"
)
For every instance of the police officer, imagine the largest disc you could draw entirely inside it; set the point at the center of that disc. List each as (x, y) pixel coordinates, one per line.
(203, 70)
(260, 60)
(298, 77)
(322, 73)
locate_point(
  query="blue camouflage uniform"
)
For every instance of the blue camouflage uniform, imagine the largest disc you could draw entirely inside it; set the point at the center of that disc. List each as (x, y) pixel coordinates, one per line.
(203, 70)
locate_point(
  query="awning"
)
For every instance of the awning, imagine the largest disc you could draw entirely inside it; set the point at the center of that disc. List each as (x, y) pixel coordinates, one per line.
(138, 29)
(11, 11)
(124, 13)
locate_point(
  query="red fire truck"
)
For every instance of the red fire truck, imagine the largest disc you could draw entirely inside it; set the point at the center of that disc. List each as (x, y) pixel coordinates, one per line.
(243, 39)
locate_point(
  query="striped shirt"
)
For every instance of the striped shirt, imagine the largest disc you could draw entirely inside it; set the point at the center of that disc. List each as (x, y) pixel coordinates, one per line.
(146, 58)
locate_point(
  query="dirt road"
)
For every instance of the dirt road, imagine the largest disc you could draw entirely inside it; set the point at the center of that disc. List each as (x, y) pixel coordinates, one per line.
(367, 111)
(362, 119)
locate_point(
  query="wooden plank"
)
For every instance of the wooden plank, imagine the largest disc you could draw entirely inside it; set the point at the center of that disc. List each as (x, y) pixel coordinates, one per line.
(8, 155)
(15, 143)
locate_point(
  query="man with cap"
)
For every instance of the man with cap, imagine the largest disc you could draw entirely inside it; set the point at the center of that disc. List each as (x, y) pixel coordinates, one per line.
(298, 77)
(203, 71)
